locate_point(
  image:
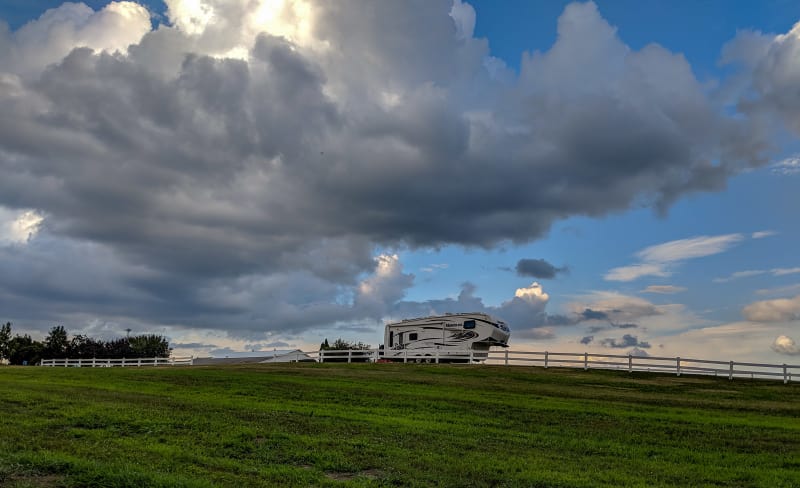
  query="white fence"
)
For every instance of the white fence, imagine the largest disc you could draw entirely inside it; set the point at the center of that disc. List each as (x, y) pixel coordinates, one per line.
(123, 362)
(584, 360)
(675, 365)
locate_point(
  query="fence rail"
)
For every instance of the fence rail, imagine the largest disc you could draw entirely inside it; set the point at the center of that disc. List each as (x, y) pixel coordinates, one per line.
(546, 359)
(121, 362)
(585, 360)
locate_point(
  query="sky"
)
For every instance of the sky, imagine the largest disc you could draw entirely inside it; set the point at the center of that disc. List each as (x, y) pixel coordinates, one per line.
(611, 177)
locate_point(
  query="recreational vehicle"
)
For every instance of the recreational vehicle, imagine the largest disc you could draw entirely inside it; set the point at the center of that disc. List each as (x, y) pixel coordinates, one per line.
(449, 337)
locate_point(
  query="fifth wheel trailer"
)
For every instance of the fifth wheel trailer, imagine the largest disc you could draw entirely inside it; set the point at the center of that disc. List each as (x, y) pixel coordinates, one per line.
(450, 338)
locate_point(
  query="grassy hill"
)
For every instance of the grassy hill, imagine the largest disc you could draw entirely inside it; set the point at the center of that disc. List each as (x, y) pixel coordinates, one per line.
(392, 425)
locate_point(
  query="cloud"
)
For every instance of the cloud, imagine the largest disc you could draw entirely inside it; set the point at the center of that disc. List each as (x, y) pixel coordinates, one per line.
(739, 341)
(656, 259)
(19, 227)
(787, 167)
(772, 77)
(192, 345)
(59, 30)
(784, 271)
(638, 352)
(777, 310)
(785, 345)
(757, 272)
(740, 274)
(781, 290)
(635, 271)
(626, 340)
(587, 339)
(589, 314)
(269, 345)
(535, 333)
(239, 167)
(664, 289)
(537, 268)
(464, 17)
(763, 233)
(618, 309)
(683, 249)
(434, 267)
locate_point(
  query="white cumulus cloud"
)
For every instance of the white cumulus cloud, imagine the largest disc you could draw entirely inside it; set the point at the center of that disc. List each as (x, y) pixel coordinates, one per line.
(785, 345)
(777, 310)
(58, 31)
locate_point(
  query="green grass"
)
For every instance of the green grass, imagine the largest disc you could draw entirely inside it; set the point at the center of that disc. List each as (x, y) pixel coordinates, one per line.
(392, 425)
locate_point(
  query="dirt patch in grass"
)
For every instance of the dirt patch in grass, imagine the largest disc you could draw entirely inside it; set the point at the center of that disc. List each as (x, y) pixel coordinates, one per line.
(39, 481)
(370, 474)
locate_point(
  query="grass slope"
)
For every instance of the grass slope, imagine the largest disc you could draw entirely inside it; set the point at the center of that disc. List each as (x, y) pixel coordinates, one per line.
(388, 424)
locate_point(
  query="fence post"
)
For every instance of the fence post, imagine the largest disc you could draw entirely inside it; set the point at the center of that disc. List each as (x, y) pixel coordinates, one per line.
(66, 362)
(785, 377)
(630, 363)
(94, 361)
(405, 356)
(349, 355)
(678, 369)
(471, 356)
(730, 374)
(437, 356)
(546, 355)
(506, 357)
(586, 361)
(139, 362)
(321, 356)
(80, 362)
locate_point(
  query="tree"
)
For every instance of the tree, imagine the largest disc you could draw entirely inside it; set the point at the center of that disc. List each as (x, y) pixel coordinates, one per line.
(84, 347)
(149, 346)
(24, 350)
(343, 345)
(118, 348)
(5, 338)
(55, 344)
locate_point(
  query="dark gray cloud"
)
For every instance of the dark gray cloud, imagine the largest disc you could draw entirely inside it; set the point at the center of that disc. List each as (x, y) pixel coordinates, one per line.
(587, 339)
(626, 340)
(589, 314)
(537, 268)
(182, 187)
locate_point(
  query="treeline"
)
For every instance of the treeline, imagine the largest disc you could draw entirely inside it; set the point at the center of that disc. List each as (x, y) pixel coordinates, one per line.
(21, 349)
(342, 345)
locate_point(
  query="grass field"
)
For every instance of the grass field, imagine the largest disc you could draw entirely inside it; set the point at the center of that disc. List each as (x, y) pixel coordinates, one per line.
(392, 425)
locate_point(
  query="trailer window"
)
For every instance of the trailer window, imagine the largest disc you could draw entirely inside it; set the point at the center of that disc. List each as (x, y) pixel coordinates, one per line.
(469, 324)
(412, 337)
(391, 338)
